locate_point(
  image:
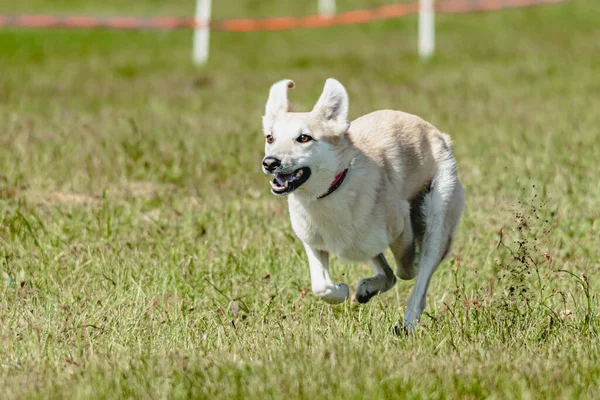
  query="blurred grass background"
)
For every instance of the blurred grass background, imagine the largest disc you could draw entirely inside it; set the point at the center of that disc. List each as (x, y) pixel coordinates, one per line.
(142, 255)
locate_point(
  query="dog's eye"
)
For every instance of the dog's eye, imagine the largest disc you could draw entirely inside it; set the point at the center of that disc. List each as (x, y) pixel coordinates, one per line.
(304, 139)
(270, 139)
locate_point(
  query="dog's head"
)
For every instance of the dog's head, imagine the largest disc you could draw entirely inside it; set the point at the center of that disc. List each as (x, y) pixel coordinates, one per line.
(304, 150)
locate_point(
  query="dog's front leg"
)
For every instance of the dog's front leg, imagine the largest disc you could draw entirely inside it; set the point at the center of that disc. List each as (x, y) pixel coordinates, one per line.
(383, 280)
(322, 286)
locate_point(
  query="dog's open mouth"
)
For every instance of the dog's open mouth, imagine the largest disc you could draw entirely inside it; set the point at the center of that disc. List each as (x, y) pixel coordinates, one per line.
(287, 183)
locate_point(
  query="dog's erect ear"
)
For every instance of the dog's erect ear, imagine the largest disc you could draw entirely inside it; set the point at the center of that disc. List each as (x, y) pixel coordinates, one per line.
(332, 106)
(278, 101)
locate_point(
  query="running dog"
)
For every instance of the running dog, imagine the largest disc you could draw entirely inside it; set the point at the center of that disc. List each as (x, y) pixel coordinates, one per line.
(386, 179)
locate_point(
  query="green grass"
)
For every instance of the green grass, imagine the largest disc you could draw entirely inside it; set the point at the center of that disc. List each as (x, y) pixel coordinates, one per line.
(142, 255)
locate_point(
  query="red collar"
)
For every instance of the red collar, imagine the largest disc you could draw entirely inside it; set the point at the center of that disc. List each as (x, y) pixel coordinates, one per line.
(337, 182)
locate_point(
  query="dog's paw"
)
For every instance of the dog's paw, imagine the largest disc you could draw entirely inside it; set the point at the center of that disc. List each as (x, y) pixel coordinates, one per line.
(409, 324)
(369, 287)
(364, 292)
(411, 320)
(335, 293)
(403, 330)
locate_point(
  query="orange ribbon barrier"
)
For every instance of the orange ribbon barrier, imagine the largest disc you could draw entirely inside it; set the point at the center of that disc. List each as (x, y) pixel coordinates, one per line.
(361, 16)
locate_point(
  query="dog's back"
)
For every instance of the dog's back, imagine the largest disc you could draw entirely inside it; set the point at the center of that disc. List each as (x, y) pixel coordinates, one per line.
(407, 148)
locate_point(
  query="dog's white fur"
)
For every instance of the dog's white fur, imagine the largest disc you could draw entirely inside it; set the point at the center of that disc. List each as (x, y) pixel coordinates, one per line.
(401, 191)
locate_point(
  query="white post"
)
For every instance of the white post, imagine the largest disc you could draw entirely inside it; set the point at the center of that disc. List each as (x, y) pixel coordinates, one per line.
(326, 7)
(426, 29)
(202, 32)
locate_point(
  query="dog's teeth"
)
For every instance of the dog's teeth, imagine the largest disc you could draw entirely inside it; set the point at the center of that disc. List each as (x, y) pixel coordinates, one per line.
(286, 185)
(299, 173)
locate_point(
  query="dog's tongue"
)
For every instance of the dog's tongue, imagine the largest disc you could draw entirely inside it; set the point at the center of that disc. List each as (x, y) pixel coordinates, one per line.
(282, 178)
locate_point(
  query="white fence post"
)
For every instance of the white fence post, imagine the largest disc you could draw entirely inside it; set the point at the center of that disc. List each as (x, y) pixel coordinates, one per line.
(426, 29)
(202, 32)
(326, 7)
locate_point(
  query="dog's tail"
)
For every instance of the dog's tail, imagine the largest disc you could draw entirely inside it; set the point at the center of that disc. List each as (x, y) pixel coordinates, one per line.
(447, 141)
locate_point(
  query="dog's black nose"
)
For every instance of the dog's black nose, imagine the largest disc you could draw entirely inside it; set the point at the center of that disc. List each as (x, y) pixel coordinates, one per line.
(270, 163)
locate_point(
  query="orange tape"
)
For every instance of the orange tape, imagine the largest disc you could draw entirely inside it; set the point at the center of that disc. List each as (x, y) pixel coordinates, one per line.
(463, 6)
(261, 24)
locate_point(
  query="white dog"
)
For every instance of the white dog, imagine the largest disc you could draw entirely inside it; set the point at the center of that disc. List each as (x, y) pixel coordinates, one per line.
(388, 179)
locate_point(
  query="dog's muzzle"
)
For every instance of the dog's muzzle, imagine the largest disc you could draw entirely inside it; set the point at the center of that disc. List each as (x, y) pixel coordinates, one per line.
(284, 184)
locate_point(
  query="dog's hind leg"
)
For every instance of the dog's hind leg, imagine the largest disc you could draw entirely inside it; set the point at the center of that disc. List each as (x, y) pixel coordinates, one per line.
(403, 249)
(405, 246)
(383, 280)
(441, 210)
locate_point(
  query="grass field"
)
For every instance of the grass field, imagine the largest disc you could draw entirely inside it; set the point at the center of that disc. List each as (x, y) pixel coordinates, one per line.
(143, 256)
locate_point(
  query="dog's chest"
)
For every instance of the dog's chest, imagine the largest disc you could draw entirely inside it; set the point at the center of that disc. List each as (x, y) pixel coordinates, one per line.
(342, 231)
